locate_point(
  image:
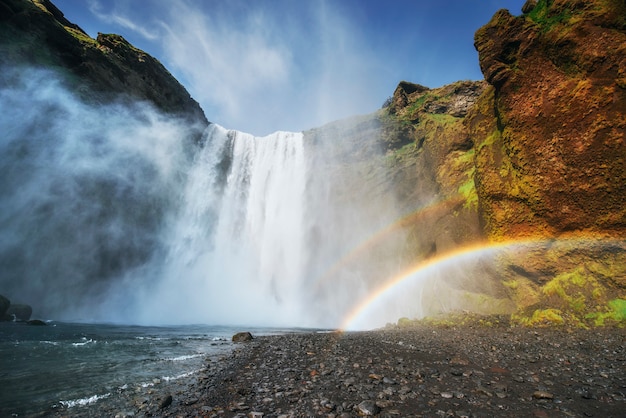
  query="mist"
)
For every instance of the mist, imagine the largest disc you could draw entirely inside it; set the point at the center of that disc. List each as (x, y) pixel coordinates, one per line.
(112, 213)
(84, 192)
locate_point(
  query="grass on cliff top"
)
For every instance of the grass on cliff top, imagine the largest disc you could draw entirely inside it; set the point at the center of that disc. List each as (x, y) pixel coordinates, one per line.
(546, 18)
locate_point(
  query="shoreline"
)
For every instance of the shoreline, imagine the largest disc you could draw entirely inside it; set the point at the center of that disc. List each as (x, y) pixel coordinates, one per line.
(419, 371)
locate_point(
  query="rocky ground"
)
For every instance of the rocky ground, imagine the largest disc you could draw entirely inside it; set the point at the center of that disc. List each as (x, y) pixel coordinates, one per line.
(421, 371)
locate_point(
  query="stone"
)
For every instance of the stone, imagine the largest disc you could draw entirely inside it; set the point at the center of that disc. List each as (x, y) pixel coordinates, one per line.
(542, 394)
(367, 408)
(167, 401)
(242, 337)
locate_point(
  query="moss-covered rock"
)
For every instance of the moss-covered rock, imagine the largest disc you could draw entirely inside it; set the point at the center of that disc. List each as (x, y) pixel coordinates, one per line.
(550, 160)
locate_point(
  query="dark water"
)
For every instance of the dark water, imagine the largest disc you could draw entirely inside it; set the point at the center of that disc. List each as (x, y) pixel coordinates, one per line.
(63, 366)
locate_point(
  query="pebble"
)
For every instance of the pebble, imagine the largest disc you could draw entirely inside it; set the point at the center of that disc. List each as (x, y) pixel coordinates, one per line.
(447, 371)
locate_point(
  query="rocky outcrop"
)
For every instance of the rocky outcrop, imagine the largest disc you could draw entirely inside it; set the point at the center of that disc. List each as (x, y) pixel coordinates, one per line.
(35, 32)
(533, 159)
(411, 162)
(431, 155)
(550, 158)
(550, 130)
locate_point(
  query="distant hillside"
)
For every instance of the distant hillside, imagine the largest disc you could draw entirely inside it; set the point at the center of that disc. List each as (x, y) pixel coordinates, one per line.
(35, 33)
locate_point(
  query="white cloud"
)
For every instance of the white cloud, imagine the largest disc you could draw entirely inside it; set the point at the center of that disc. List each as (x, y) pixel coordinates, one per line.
(117, 18)
(261, 71)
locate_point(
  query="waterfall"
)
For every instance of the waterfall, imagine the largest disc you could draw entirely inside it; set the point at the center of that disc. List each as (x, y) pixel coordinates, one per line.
(236, 248)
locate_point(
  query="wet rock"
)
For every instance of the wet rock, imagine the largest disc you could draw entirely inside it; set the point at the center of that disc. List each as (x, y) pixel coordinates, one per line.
(262, 379)
(167, 401)
(242, 337)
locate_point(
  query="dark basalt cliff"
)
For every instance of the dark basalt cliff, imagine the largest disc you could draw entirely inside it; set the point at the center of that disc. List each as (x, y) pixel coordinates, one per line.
(35, 33)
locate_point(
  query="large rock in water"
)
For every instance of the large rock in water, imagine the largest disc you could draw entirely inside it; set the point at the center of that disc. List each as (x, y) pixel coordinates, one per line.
(242, 337)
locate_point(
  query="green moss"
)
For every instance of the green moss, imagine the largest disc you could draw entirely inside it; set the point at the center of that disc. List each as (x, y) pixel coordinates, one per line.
(576, 298)
(542, 15)
(574, 289)
(468, 191)
(618, 306)
(613, 314)
(540, 317)
(81, 36)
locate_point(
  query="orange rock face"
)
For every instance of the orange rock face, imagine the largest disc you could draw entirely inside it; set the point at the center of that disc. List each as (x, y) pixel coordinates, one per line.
(550, 131)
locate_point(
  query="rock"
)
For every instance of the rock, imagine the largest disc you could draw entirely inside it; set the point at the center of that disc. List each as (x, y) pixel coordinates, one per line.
(165, 402)
(549, 157)
(102, 69)
(367, 408)
(36, 322)
(21, 312)
(556, 83)
(242, 337)
(529, 6)
(4, 305)
(541, 394)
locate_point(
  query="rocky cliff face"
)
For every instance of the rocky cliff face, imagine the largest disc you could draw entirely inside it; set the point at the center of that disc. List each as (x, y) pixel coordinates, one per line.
(550, 157)
(533, 158)
(35, 33)
(549, 132)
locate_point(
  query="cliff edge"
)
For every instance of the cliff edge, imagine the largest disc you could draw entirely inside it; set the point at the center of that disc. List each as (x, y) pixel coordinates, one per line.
(35, 33)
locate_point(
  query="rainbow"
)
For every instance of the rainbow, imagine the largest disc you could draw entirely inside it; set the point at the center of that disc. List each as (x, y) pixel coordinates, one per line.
(429, 266)
(385, 233)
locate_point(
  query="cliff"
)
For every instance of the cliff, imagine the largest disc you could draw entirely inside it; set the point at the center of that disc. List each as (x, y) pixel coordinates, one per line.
(550, 130)
(35, 33)
(535, 161)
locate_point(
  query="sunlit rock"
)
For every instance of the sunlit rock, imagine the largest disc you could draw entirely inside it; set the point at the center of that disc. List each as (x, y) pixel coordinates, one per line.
(242, 337)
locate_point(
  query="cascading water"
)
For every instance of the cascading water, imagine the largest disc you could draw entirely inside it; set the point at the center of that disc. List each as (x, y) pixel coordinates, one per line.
(239, 237)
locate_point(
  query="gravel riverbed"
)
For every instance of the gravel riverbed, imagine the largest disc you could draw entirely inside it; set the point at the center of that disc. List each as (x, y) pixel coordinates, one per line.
(421, 371)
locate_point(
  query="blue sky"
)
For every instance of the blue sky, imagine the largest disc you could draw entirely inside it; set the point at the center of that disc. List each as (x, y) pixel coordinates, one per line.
(265, 65)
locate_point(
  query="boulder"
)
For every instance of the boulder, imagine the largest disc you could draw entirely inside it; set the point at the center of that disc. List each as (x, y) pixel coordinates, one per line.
(242, 337)
(37, 322)
(20, 312)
